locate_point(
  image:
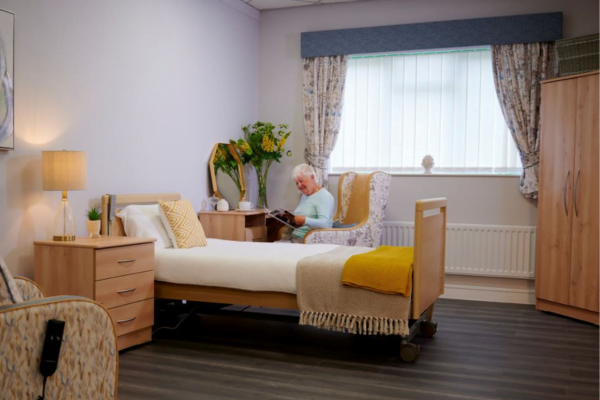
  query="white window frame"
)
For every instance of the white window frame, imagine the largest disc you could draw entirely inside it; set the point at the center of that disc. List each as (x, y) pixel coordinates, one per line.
(370, 122)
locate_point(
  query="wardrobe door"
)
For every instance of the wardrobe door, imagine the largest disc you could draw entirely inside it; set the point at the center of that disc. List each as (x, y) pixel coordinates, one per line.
(557, 140)
(584, 251)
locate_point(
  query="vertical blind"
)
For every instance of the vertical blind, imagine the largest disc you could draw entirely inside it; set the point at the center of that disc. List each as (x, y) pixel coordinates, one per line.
(400, 107)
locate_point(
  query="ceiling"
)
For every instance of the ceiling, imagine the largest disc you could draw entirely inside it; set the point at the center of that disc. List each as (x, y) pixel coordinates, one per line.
(262, 5)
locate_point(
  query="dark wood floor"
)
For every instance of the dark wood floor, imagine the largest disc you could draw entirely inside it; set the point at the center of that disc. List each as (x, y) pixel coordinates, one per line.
(481, 351)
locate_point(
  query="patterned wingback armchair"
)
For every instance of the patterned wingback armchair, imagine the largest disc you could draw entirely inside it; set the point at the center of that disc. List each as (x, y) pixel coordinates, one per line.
(88, 362)
(362, 199)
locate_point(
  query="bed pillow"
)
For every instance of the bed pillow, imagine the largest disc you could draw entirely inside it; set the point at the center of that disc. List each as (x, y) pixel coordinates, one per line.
(182, 224)
(9, 292)
(145, 222)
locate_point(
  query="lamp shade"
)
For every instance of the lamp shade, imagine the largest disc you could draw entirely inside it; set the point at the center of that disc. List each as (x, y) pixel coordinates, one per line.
(64, 170)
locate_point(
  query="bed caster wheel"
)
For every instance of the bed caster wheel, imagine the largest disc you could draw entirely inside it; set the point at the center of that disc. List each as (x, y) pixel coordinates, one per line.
(427, 329)
(409, 352)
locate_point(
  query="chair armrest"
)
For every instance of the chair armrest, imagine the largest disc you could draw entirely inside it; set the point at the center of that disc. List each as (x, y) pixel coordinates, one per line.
(29, 289)
(88, 362)
(360, 235)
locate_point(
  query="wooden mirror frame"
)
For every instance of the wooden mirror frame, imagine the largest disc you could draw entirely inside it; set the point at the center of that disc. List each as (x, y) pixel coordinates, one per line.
(213, 173)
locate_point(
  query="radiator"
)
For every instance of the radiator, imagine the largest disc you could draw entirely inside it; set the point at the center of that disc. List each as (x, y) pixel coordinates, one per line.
(482, 250)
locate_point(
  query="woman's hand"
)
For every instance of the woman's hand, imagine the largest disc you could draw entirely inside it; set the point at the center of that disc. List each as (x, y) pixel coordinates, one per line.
(299, 219)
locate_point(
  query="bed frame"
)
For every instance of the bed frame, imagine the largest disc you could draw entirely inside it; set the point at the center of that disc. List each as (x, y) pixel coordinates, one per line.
(428, 269)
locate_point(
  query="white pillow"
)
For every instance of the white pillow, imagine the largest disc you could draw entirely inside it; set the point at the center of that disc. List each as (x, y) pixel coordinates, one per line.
(145, 222)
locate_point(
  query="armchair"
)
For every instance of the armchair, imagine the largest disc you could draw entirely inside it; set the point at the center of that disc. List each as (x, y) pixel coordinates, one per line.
(362, 199)
(88, 362)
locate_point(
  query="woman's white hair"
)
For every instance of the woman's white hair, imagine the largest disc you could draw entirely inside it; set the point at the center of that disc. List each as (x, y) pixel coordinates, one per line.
(304, 170)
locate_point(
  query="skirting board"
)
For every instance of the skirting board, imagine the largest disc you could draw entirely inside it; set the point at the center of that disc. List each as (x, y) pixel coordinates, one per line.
(489, 289)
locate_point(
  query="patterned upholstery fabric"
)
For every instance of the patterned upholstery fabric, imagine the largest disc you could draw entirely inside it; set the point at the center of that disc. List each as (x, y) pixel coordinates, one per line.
(182, 224)
(9, 293)
(87, 367)
(370, 222)
(29, 289)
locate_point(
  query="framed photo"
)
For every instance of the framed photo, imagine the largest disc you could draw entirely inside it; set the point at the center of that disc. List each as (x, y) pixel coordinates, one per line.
(7, 104)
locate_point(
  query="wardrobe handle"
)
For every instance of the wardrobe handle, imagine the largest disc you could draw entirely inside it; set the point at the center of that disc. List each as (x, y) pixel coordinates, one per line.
(126, 261)
(575, 194)
(565, 193)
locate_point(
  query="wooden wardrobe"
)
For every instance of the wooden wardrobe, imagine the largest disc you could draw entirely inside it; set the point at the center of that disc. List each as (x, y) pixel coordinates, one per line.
(567, 235)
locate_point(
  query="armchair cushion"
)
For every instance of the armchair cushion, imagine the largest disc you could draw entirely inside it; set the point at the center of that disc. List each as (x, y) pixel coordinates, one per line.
(9, 292)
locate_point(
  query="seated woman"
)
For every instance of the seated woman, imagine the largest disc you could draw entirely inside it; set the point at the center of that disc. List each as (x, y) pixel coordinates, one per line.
(316, 205)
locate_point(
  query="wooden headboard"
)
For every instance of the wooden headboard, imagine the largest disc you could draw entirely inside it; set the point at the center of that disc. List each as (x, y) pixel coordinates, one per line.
(121, 200)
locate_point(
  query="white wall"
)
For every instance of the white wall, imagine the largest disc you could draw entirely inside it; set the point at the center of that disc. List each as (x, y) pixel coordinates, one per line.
(145, 87)
(479, 200)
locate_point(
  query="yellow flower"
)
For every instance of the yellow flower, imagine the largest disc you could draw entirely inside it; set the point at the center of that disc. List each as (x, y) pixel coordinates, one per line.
(281, 144)
(268, 144)
(220, 156)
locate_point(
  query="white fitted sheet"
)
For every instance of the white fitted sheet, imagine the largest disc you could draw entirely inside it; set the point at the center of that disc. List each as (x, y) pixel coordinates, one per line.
(254, 266)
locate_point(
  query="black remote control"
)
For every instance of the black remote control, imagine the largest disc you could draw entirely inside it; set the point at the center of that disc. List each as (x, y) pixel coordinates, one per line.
(51, 350)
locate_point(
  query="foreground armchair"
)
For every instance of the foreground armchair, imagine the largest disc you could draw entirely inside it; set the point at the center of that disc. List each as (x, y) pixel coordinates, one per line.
(88, 362)
(362, 199)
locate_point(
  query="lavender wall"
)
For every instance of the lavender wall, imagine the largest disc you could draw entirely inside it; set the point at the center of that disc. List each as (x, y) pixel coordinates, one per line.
(145, 87)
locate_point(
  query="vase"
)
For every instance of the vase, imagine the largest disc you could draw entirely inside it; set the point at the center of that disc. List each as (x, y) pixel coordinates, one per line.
(93, 228)
(261, 174)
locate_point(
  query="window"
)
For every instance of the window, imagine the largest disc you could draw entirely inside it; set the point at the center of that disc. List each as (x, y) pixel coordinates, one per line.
(400, 107)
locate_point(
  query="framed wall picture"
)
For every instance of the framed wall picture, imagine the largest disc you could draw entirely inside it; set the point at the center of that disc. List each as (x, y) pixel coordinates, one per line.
(7, 105)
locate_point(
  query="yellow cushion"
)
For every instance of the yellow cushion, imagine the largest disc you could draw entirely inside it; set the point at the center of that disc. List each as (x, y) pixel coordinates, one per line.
(182, 224)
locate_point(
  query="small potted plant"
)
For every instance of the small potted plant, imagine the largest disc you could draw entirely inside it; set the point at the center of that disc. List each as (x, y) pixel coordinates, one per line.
(93, 223)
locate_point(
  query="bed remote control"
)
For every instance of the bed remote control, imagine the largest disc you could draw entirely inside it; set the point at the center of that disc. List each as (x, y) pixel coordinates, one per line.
(51, 350)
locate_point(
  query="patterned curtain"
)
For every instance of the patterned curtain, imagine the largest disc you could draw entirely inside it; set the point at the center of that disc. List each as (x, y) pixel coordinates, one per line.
(518, 70)
(324, 81)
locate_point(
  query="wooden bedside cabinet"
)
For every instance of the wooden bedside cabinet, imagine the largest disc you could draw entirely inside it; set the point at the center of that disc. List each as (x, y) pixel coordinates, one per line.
(116, 271)
(242, 226)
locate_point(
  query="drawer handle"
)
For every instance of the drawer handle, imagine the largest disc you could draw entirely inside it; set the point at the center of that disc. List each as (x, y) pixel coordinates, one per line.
(126, 290)
(126, 261)
(125, 320)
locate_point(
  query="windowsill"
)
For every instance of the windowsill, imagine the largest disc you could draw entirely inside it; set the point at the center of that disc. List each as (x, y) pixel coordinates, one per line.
(445, 174)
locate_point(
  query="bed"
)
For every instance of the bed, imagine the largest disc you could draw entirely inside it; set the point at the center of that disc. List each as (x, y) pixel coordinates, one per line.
(178, 283)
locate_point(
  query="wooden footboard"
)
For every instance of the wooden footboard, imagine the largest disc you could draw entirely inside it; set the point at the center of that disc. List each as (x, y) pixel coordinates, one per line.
(429, 263)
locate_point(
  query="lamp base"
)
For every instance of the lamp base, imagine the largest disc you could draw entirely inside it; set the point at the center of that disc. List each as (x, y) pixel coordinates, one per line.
(63, 238)
(64, 222)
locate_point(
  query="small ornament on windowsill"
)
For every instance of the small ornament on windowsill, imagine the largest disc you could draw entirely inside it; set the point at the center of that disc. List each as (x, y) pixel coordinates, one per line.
(428, 164)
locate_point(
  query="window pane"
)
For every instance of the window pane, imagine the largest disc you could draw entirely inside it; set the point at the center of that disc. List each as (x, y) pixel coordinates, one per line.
(398, 108)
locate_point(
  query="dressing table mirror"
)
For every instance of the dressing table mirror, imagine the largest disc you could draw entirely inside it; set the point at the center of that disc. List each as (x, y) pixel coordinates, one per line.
(227, 174)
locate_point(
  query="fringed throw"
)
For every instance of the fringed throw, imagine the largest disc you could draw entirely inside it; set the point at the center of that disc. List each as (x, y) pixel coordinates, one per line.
(325, 303)
(354, 324)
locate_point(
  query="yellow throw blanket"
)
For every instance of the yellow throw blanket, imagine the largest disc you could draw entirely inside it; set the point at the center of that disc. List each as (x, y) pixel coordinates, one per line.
(387, 269)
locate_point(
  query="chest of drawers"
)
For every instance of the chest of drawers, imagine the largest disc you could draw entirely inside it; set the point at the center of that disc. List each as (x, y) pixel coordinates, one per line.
(242, 226)
(117, 272)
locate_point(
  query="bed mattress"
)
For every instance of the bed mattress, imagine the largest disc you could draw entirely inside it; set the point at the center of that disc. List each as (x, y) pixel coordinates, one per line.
(254, 266)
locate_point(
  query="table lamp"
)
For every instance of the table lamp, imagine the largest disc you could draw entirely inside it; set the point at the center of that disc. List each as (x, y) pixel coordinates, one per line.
(62, 171)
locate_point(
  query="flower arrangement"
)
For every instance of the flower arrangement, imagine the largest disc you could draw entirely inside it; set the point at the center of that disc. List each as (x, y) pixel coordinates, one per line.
(224, 161)
(262, 144)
